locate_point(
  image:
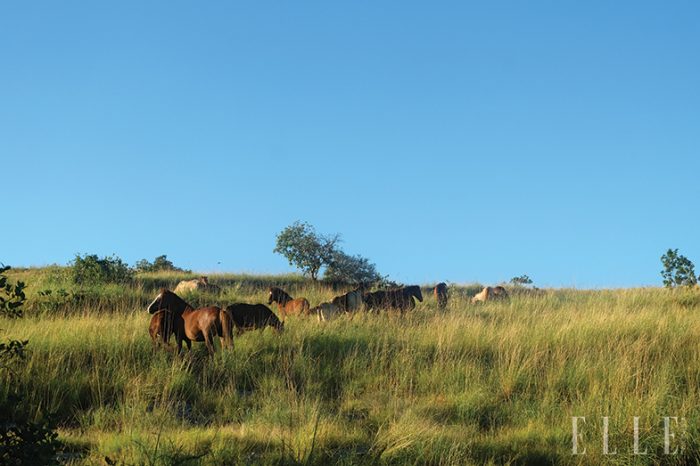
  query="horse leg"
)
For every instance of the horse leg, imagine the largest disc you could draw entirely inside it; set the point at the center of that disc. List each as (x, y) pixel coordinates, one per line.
(208, 337)
(226, 329)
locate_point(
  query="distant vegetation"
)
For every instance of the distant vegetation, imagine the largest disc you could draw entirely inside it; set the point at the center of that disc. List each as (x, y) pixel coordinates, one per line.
(678, 270)
(310, 252)
(88, 269)
(159, 264)
(522, 280)
(91, 270)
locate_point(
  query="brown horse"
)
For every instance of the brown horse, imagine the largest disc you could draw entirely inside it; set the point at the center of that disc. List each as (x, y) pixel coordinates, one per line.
(253, 316)
(440, 292)
(288, 305)
(161, 328)
(191, 324)
(402, 298)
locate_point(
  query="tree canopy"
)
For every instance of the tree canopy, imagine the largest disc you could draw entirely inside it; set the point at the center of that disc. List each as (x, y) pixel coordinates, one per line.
(310, 251)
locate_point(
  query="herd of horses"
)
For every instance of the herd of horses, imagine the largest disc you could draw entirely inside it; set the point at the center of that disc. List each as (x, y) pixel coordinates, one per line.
(173, 316)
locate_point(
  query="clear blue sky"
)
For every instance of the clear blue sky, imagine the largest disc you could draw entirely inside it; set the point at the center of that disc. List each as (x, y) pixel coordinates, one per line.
(455, 141)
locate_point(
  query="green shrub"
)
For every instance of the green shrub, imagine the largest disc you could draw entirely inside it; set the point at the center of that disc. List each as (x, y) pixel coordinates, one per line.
(91, 270)
(159, 264)
(23, 439)
(12, 297)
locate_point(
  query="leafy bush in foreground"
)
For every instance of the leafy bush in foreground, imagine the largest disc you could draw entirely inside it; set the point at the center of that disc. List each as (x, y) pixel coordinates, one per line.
(22, 440)
(11, 302)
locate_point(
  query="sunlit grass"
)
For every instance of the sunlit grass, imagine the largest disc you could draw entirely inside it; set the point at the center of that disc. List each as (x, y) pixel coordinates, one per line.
(497, 382)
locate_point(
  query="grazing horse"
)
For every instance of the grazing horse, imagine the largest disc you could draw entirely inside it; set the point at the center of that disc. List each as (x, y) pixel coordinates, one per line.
(350, 301)
(253, 316)
(191, 324)
(288, 305)
(489, 294)
(327, 311)
(197, 284)
(161, 327)
(440, 292)
(398, 298)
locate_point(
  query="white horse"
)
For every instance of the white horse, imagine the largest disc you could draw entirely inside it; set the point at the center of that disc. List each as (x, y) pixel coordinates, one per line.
(489, 294)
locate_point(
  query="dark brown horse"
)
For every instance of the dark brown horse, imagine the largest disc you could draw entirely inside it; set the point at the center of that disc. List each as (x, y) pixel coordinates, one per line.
(253, 316)
(161, 327)
(191, 324)
(376, 300)
(402, 298)
(440, 292)
(288, 305)
(397, 298)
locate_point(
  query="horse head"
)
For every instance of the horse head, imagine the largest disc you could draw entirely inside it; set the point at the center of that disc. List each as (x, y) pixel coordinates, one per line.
(168, 300)
(416, 292)
(279, 296)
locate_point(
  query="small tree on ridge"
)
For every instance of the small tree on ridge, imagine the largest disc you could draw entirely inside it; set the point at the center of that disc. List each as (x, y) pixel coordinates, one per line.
(306, 249)
(678, 270)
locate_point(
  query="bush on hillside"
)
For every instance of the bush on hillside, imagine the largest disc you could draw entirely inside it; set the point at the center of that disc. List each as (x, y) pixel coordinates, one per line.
(91, 270)
(159, 264)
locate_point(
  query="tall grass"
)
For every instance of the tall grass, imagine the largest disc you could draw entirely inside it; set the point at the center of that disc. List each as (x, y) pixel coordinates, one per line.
(474, 384)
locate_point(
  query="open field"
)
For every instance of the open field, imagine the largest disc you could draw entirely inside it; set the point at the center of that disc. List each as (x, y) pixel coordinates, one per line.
(491, 383)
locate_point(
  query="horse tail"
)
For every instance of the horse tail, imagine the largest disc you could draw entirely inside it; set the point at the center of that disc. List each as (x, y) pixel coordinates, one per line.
(305, 307)
(226, 326)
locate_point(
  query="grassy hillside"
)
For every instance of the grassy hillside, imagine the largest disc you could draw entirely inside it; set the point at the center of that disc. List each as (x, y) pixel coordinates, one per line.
(496, 382)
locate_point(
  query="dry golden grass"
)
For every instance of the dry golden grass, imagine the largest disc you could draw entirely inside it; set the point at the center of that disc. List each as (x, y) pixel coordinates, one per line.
(497, 382)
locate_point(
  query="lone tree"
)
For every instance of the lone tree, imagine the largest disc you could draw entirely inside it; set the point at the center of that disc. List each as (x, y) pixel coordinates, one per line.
(678, 270)
(351, 269)
(306, 249)
(522, 280)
